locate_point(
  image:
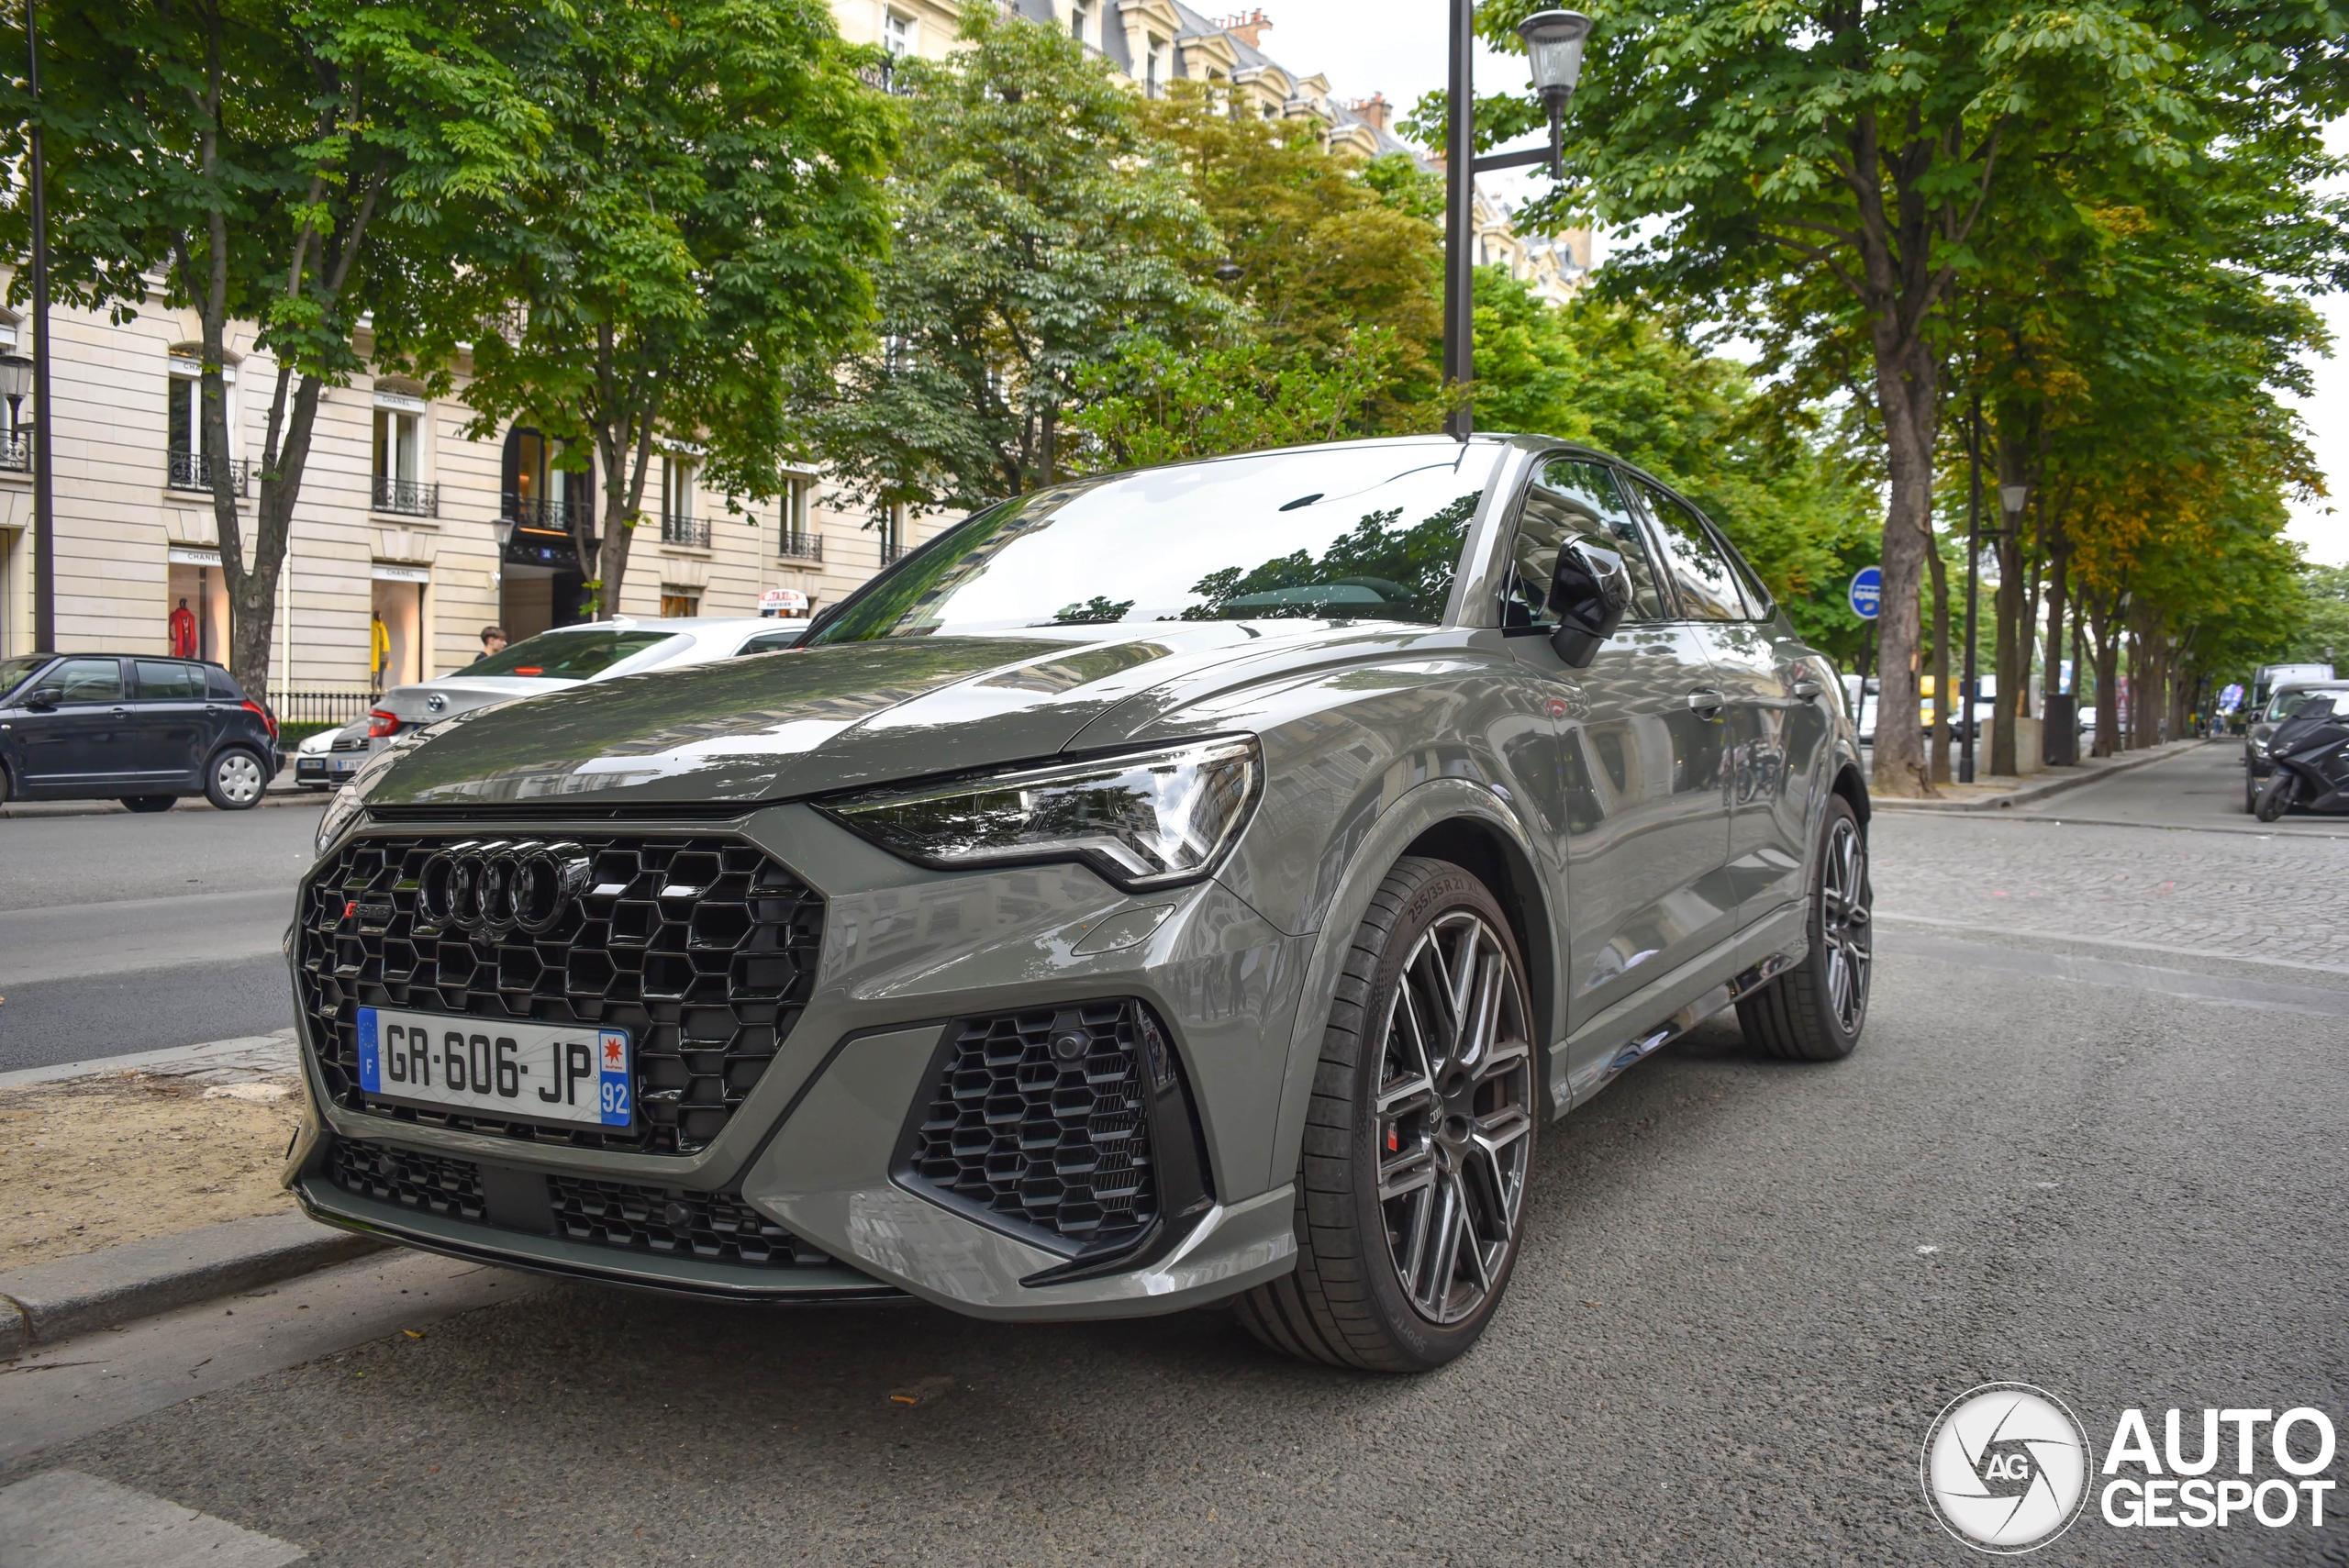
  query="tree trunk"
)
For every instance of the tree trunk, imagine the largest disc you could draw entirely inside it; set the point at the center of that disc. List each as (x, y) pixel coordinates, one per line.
(1906, 397)
(2104, 627)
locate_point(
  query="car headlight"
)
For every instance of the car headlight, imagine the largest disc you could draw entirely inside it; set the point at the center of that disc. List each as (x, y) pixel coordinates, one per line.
(1141, 819)
(2258, 746)
(344, 812)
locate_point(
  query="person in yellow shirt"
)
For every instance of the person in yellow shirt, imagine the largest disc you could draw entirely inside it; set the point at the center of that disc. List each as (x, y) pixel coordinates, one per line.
(379, 648)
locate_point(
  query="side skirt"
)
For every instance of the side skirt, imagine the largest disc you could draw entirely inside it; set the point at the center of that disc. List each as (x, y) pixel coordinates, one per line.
(1639, 1025)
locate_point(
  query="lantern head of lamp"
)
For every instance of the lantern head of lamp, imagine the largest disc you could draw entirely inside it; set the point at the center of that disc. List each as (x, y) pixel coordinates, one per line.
(1554, 41)
(15, 376)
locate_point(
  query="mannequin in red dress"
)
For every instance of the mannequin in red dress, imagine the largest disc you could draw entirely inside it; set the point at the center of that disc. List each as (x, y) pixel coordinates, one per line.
(182, 632)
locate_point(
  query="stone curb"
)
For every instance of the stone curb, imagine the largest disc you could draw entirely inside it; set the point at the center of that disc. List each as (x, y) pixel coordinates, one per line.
(2040, 790)
(49, 1302)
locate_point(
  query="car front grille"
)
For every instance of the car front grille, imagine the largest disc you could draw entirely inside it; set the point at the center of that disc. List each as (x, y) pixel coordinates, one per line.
(1041, 1118)
(411, 1178)
(702, 947)
(668, 1222)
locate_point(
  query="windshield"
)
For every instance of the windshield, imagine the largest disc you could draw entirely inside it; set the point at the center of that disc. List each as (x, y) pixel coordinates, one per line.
(13, 671)
(1351, 533)
(566, 655)
(2297, 704)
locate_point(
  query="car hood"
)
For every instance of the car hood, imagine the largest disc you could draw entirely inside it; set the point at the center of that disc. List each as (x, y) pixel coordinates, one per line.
(778, 725)
(413, 703)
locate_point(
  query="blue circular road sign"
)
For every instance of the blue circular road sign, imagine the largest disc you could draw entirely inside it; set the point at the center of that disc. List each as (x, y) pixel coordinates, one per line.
(1866, 592)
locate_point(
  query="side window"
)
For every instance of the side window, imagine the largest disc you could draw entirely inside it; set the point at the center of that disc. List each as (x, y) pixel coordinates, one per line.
(162, 682)
(1574, 500)
(770, 641)
(1707, 587)
(220, 685)
(88, 680)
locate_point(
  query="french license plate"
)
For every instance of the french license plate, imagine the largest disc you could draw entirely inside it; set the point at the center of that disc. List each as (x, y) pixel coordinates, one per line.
(538, 1072)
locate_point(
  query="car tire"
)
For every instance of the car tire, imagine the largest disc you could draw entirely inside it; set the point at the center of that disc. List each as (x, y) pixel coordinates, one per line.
(145, 802)
(2250, 793)
(1418, 1139)
(1815, 1011)
(234, 779)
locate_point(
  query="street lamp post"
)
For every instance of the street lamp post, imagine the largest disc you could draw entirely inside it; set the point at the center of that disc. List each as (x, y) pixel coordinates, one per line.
(44, 506)
(1553, 42)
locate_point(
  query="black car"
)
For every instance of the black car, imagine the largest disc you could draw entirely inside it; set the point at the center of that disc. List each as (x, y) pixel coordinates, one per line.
(140, 729)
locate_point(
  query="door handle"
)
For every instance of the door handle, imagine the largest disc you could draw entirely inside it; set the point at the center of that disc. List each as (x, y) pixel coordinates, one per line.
(1704, 702)
(118, 709)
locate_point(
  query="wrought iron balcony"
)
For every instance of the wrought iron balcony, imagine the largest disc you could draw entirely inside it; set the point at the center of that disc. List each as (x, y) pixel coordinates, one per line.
(407, 496)
(539, 512)
(891, 550)
(676, 529)
(883, 77)
(193, 471)
(801, 547)
(17, 453)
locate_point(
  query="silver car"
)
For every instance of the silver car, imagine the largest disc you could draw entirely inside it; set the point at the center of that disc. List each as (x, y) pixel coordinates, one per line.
(551, 662)
(1196, 883)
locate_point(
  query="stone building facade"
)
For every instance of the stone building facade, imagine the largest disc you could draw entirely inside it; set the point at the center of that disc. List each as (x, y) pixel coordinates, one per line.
(411, 536)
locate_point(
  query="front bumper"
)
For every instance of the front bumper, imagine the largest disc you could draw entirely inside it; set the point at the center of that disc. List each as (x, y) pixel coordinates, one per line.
(818, 1147)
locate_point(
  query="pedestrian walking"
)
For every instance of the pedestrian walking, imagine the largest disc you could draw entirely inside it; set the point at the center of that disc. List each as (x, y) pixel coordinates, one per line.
(493, 640)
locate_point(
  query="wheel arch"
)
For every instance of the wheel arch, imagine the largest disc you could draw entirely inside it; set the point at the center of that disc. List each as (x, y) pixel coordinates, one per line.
(1448, 819)
(1479, 848)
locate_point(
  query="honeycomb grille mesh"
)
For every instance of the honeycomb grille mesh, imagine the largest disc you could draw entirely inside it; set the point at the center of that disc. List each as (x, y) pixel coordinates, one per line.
(702, 947)
(410, 1177)
(714, 1226)
(1041, 1118)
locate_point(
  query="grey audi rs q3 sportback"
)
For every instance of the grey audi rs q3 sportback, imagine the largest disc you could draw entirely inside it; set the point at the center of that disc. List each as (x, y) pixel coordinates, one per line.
(1193, 883)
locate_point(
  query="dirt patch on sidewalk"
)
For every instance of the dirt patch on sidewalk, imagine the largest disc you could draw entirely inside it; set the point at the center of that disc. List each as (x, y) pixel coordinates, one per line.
(92, 1162)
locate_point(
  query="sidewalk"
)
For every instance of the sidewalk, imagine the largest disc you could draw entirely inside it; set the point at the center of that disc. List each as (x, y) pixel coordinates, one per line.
(1999, 794)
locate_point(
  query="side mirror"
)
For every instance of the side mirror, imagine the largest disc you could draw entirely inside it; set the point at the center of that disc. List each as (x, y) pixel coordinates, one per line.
(45, 699)
(1589, 591)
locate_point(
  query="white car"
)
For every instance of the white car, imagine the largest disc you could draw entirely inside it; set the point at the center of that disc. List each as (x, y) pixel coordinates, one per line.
(556, 661)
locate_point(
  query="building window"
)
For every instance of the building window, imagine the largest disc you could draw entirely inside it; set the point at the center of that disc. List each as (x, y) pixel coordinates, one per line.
(678, 524)
(1151, 68)
(1079, 15)
(677, 605)
(898, 35)
(795, 540)
(191, 456)
(399, 463)
(890, 523)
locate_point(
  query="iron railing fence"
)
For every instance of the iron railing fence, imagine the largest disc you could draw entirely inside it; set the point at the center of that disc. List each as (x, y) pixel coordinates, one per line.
(193, 471)
(17, 453)
(694, 532)
(801, 547)
(320, 704)
(407, 496)
(544, 512)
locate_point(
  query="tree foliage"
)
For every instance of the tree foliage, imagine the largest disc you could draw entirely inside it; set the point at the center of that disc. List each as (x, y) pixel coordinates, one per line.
(700, 228)
(1040, 231)
(301, 165)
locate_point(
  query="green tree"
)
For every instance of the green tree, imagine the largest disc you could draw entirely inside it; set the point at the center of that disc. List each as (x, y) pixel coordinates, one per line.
(1613, 375)
(1040, 231)
(2319, 621)
(699, 232)
(300, 165)
(1327, 247)
(1153, 404)
(1850, 153)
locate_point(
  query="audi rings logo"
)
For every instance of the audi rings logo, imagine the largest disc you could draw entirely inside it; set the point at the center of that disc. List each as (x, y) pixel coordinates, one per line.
(489, 889)
(2006, 1468)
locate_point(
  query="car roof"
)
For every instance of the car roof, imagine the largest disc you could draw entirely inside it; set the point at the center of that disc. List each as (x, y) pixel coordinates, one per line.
(671, 623)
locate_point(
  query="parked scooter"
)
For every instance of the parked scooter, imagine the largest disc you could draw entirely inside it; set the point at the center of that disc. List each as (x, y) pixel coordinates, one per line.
(2310, 752)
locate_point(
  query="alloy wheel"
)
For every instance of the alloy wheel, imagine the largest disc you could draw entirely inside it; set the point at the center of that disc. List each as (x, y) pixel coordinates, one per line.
(1843, 918)
(1454, 1116)
(239, 778)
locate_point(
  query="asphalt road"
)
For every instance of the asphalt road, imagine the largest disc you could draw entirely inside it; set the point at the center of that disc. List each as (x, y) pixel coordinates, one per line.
(122, 933)
(2081, 1145)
